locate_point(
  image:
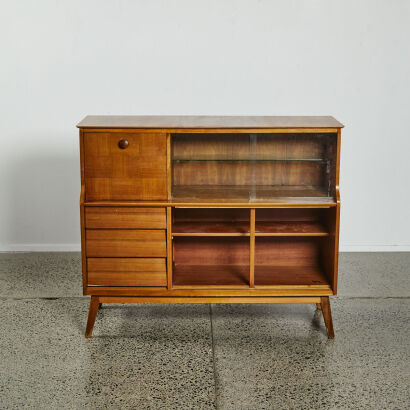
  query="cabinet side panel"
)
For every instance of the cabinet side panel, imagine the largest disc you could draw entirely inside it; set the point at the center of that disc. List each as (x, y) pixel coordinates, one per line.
(336, 248)
(82, 215)
(337, 216)
(330, 248)
(169, 168)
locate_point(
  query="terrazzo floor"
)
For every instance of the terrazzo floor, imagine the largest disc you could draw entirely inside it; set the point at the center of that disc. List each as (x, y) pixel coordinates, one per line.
(203, 356)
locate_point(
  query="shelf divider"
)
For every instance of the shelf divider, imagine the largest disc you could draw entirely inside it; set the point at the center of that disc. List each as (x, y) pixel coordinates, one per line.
(169, 247)
(252, 250)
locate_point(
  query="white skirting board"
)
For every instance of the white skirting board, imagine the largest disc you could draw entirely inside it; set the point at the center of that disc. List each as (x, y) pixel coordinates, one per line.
(41, 247)
(374, 248)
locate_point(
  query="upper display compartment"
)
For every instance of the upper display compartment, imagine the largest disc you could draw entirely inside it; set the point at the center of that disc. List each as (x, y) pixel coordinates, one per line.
(254, 167)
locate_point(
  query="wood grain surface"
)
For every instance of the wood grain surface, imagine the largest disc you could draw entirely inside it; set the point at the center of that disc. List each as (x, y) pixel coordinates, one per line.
(202, 121)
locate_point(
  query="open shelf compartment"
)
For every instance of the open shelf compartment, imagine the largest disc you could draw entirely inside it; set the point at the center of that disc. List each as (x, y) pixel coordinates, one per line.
(291, 222)
(293, 248)
(282, 261)
(211, 262)
(210, 222)
(236, 222)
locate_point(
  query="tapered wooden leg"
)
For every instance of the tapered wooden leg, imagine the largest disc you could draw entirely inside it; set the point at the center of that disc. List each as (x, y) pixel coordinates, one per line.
(92, 314)
(318, 306)
(327, 316)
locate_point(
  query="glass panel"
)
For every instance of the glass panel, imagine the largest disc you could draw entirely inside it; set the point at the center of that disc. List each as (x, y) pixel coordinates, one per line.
(210, 147)
(254, 167)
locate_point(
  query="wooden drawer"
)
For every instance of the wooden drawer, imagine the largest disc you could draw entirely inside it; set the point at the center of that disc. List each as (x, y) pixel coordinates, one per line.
(136, 172)
(125, 217)
(125, 243)
(127, 272)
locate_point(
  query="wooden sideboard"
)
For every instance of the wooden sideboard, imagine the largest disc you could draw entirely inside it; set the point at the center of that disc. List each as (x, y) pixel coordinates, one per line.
(197, 209)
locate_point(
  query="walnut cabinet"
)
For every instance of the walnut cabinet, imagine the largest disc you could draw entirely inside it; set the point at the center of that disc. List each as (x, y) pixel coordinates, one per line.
(209, 210)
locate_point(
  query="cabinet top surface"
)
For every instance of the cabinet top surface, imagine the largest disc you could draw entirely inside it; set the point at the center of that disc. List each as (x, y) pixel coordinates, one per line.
(202, 121)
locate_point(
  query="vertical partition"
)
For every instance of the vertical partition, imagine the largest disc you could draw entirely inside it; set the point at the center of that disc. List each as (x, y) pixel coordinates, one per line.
(169, 247)
(252, 250)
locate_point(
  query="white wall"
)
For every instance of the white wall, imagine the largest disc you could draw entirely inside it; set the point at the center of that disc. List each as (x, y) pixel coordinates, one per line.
(61, 60)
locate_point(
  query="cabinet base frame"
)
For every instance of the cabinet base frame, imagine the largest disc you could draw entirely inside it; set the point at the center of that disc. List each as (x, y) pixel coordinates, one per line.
(323, 301)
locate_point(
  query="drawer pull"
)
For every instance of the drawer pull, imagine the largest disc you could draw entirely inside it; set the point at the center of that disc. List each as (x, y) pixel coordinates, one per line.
(123, 144)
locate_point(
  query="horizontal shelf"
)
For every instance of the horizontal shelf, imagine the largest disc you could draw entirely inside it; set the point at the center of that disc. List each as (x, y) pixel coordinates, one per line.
(242, 229)
(301, 276)
(237, 277)
(210, 234)
(251, 159)
(247, 193)
(210, 229)
(210, 276)
(292, 228)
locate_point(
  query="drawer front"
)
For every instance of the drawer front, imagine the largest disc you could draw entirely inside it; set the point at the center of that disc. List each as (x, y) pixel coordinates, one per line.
(126, 272)
(125, 243)
(125, 217)
(137, 171)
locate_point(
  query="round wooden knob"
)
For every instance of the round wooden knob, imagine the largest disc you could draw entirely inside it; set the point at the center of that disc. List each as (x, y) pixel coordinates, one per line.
(123, 144)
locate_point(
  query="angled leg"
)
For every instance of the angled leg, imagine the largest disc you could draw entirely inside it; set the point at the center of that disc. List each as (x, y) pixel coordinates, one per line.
(327, 316)
(92, 314)
(318, 306)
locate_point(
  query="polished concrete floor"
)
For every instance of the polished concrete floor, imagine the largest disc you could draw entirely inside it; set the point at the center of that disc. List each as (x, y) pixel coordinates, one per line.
(203, 356)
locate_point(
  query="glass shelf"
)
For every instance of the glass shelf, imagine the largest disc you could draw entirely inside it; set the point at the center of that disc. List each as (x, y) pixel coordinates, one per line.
(246, 193)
